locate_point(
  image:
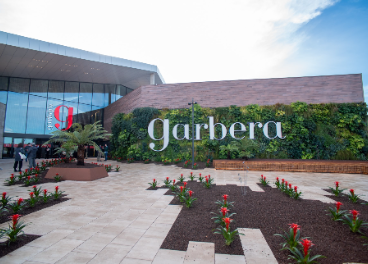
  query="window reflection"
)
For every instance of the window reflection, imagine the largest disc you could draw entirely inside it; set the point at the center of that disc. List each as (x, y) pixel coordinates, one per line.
(109, 94)
(71, 91)
(49, 116)
(84, 114)
(56, 90)
(120, 91)
(85, 94)
(39, 87)
(16, 113)
(36, 115)
(98, 95)
(3, 89)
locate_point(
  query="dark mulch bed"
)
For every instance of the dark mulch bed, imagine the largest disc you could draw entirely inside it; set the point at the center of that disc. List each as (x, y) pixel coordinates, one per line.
(39, 206)
(271, 212)
(22, 240)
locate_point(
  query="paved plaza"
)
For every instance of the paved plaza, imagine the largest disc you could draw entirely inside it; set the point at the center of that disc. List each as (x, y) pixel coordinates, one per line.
(116, 220)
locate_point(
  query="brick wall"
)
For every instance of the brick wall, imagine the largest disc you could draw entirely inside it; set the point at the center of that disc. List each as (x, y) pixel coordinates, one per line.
(313, 89)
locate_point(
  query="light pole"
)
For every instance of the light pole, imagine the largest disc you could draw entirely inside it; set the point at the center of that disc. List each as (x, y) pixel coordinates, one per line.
(192, 104)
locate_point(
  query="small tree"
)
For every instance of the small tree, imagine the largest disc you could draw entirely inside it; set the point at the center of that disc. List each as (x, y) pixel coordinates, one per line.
(80, 137)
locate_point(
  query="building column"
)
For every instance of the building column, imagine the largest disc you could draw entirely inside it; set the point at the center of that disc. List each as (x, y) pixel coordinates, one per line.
(152, 79)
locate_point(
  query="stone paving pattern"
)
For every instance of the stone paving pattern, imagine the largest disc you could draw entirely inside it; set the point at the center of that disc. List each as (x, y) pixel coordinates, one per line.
(116, 220)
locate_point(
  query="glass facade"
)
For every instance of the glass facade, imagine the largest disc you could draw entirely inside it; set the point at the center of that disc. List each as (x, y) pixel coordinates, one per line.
(31, 104)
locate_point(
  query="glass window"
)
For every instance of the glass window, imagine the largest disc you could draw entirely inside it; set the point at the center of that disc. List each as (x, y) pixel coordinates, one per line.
(85, 94)
(120, 92)
(19, 85)
(50, 119)
(56, 90)
(84, 112)
(36, 115)
(71, 91)
(98, 95)
(109, 94)
(129, 90)
(8, 147)
(3, 89)
(28, 140)
(96, 114)
(16, 113)
(17, 141)
(39, 87)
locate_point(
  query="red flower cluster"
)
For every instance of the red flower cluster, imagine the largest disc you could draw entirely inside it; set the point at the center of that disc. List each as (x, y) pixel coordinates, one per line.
(295, 228)
(15, 220)
(20, 200)
(190, 193)
(4, 194)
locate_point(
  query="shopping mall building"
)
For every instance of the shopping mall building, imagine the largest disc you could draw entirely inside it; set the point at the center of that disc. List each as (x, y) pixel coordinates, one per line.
(44, 85)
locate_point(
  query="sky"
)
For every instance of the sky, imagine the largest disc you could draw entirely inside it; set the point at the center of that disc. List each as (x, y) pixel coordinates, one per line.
(206, 40)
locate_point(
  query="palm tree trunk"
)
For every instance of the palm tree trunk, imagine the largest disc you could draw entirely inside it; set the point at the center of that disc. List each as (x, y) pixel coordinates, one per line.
(80, 155)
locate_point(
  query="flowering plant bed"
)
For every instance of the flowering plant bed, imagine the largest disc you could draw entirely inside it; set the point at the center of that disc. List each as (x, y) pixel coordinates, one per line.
(21, 241)
(271, 212)
(28, 209)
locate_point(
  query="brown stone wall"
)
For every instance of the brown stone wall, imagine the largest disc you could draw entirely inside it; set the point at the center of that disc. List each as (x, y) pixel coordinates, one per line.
(313, 89)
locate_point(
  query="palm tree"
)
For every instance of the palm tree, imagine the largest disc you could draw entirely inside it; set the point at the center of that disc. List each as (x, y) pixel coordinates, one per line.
(80, 137)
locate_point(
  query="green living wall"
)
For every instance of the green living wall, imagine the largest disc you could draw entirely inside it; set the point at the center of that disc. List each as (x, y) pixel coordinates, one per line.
(313, 131)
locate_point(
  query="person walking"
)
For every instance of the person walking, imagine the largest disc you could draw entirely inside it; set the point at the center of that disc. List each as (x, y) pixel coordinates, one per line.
(32, 155)
(27, 150)
(18, 158)
(106, 149)
(48, 152)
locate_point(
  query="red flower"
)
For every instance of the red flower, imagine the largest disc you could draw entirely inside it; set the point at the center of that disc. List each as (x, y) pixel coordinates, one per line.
(224, 210)
(31, 194)
(209, 176)
(352, 192)
(337, 184)
(181, 175)
(355, 213)
(277, 178)
(15, 220)
(20, 173)
(227, 222)
(306, 245)
(29, 177)
(290, 185)
(173, 181)
(36, 175)
(195, 164)
(191, 173)
(56, 188)
(4, 194)
(225, 196)
(45, 191)
(262, 176)
(286, 183)
(185, 185)
(57, 174)
(12, 174)
(167, 178)
(20, 200)
(282, 180)
(186, 162)
(181, 189)
(190, 193)
(154, 180)
(206, 179)
(295, 228)
(34, 187)
(11, 177)
(117, 166)
(296, 188)
(200, 175)
(26, 170)
(338, 204)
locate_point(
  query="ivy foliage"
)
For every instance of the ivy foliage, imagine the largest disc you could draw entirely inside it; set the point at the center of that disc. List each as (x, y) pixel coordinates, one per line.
(312, 131)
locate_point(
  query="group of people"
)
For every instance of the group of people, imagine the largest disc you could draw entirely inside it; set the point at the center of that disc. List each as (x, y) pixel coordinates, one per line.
(105, 150)
(29, 152)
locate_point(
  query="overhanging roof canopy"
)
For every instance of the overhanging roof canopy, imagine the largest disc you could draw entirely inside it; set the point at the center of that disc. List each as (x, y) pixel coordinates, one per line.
(31, 58)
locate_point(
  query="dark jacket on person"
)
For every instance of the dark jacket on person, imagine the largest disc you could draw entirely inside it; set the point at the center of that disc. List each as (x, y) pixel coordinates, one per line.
(32, 153)
(17, 151)
(26, 149)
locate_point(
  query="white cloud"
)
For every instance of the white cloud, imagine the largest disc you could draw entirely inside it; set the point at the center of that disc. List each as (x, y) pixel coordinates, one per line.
(192, 40)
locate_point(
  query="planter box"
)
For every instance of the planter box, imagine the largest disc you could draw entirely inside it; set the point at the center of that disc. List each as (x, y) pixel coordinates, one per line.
(78, 174)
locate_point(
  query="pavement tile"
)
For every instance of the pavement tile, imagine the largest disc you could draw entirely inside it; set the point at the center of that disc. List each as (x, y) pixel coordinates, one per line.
(57, 251)
(96, 243)
(200, 253)
(20, 255)
(166, 256)
(112, 253)
(145, 248)
(129, 237)
(76, 258)
(50, 239)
